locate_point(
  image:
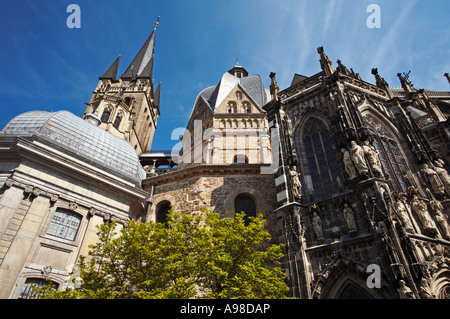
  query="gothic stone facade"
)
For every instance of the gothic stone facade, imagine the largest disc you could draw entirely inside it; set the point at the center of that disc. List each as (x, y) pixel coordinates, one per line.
(373, 191)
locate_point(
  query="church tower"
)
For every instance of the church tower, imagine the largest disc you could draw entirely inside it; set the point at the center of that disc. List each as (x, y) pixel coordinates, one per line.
(128, 107)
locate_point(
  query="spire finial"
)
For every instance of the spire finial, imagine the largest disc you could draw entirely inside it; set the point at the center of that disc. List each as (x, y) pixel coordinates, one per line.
(156, 23)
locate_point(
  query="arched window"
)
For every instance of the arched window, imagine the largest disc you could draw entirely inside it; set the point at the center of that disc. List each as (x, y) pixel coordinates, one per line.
(106, 115)
(245, 203)
(118, 120)
(64, 224)
(239, 95)
(240, 159)
(394, 165)
(161, 214)
(321, 158)
(27, 289)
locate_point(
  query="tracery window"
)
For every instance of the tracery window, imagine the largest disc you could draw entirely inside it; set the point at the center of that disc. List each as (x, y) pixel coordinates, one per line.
(392, 160)
(64, 224)
(106, 115)
(118, 120)
(321, 158)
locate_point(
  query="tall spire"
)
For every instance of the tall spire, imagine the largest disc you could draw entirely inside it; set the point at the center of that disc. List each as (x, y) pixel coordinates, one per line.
(142, 65)
(111, 73)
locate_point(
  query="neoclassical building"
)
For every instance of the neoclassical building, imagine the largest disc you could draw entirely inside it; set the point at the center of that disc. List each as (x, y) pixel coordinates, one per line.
(352, 177)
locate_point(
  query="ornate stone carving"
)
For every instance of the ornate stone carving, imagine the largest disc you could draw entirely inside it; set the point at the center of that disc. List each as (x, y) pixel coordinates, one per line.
(317, 223)
(437, 208)
(348, 164)
(403, 215)
(432, 177)
(420, 208)
(296, 185)
(443, 174)
(425, 289)
(357, 154)
(404, 291)
(373, 157)
(349, 219)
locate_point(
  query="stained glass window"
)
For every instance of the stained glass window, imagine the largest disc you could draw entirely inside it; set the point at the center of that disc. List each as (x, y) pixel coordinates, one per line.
(321, 158)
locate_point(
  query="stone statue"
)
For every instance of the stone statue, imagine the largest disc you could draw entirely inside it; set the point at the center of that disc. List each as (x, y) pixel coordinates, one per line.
(425, 289)
(403, 215)
(443, 174)
(349, 168)
(373, 157)
(404, 291)
(349, 218)
(296, 185)
(357, 154)
(432, 177)
(317, 225)
(298, 221)
(437, 208)
(420, 208)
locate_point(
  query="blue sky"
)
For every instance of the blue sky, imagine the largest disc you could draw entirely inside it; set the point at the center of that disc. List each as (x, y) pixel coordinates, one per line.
(44, 65)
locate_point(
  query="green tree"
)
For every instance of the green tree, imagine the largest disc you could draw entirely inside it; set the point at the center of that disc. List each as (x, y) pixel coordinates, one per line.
(201, 256)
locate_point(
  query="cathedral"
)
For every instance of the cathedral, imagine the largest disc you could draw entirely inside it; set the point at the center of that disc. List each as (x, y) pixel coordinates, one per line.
(352, 177)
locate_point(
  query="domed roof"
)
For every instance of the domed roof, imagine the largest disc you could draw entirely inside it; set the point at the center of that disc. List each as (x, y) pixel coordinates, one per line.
(81, 139)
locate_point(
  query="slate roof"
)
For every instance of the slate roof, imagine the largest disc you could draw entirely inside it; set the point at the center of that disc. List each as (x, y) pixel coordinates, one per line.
(111, 73)
(142, 65)
(252, 85)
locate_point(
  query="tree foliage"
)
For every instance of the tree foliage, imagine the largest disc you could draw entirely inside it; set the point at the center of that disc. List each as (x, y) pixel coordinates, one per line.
(201, 256)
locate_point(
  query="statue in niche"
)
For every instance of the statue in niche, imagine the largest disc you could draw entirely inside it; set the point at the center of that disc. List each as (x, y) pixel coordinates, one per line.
(403, 215)
(349, 218)
(296, 185)
(425, 289)
(357, 154)
(420, 208)
(349, 167)
(443, 174)
(404, 291)
(373, 157)
(317, 223)
(432, 177)
(298, 221)
(437, 208)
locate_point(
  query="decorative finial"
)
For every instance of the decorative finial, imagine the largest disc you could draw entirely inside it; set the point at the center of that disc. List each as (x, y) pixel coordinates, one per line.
(237, 61)
(157, 23)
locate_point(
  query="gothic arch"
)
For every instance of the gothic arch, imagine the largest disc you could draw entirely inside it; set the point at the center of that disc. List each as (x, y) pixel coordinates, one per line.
(441, 283)
(316, 154)
(345, 279)
(368, 112)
